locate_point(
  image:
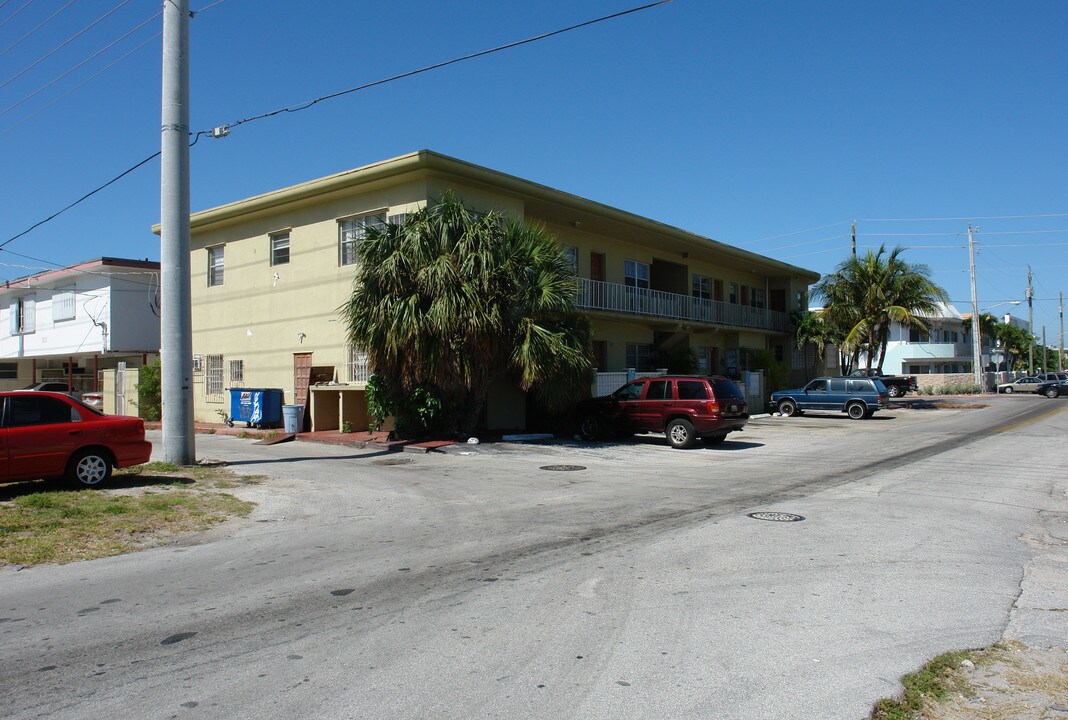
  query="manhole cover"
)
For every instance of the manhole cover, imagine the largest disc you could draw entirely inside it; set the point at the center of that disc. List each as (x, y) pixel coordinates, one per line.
(776, 516)
(563, 468)
(392, 461)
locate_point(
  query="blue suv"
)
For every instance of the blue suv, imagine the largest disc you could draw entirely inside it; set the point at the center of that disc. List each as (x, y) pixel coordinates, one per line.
(857, 397)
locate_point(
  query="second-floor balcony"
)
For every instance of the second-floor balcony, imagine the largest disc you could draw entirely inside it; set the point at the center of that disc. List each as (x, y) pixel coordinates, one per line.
(626, 300)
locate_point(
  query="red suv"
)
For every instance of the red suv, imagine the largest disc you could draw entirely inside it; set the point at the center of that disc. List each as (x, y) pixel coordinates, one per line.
(684, 407)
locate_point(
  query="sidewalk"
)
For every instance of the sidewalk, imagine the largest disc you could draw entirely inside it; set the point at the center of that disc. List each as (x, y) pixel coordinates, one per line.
(363, 439)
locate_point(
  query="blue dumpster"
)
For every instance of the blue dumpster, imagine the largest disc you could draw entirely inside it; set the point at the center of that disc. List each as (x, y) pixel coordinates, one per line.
(259, 407)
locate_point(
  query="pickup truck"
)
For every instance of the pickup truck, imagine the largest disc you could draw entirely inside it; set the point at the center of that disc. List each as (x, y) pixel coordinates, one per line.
(896, 385)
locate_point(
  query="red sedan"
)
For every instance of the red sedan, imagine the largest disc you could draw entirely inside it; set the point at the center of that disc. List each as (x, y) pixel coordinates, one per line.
(52, 435)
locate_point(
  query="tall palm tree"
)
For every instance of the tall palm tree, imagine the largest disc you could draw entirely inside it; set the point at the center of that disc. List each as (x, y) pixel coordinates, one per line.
(866, 294)
(450, 300)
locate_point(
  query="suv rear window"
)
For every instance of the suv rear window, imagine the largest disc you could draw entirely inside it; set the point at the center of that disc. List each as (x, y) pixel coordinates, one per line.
(724, 388)
(692, 390)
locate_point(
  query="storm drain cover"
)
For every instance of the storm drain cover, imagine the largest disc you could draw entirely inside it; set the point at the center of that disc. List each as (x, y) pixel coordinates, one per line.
(563, 468)
(392, 461)
(776, 516)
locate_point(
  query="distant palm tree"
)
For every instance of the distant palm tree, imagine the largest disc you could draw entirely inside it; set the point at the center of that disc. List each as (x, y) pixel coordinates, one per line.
(451, 300)
(866, 294)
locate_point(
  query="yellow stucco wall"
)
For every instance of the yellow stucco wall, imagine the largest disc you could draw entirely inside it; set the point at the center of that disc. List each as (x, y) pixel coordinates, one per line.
(262, 314)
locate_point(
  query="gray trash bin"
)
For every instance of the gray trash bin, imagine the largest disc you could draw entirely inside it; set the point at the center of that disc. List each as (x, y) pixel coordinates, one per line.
(291, 417)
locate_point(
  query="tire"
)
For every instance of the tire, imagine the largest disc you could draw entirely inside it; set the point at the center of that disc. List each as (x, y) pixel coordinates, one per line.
(89, 468)
(1052, 392)
(787, 408)
(680, 433)
(1008, 390)
(856, 411)
(714, 439)
(589, 428)
(895, 391)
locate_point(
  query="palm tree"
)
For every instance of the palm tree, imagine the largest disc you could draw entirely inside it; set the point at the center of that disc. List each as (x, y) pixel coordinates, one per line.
(450, 300)
(865, 295)
(810, 329)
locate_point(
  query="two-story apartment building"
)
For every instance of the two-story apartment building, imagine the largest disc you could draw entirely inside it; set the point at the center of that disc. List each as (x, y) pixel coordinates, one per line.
(70, 323)
(269, 273)
(944, 348)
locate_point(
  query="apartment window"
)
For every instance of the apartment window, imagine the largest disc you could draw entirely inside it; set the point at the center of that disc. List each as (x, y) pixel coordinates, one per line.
(215, 266)
(759, 301)
(63, 304)
(237, 373)
(214, 378)
(732, 297)
(638, 356)
(636, 274)
(397, 219)
(571, 255)
(918, 335)
(352, 231)
(280, 248)
(9, 370)
(23, 315)
(357, 363)
(702, 287)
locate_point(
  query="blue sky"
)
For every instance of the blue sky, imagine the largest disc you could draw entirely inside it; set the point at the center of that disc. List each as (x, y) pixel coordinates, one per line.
(769, 125)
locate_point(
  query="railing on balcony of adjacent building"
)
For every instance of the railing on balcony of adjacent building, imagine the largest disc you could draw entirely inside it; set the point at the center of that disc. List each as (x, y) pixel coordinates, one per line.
(612, 297)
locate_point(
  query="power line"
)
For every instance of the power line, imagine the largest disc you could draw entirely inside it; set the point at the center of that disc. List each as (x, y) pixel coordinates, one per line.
(39, 26)
(307, 104)
(83, 82)
(198, 135)
(99, 52)
(795, 232)
(980, 217)
(10, 17)
(66, 267)
(62, 45)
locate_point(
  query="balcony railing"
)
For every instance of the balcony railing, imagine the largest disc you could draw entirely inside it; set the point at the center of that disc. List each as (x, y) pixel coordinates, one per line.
(612, 297)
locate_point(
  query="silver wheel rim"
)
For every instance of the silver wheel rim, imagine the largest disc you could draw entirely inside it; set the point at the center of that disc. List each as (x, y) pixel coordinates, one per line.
(679, 434)
(91, 469)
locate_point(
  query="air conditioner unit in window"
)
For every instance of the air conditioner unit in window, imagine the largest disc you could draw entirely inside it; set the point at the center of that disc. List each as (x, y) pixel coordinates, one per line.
(198, 363)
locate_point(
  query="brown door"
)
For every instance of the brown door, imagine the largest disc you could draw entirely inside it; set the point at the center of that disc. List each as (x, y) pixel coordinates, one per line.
(597, 266)
(600, 355)
(302, 366)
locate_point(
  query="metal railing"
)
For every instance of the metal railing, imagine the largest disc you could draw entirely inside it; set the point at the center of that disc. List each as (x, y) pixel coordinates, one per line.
(613, 297)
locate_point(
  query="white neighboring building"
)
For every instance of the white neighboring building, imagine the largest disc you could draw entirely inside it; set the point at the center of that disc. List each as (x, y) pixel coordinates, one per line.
(945, 348)
(71, 323)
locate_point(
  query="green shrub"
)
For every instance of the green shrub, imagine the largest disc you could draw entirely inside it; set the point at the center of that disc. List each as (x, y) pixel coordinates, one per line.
(149, 404)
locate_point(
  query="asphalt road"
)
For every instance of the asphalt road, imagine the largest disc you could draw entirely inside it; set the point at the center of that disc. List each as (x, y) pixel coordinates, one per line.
(476, 584)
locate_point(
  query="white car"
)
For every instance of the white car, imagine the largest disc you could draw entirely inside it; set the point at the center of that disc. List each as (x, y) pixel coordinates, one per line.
(1024, 384)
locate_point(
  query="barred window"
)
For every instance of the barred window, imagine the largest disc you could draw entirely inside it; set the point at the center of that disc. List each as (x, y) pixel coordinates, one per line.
(357, 363)
(237, 372)
(352, 231)
(214, 378)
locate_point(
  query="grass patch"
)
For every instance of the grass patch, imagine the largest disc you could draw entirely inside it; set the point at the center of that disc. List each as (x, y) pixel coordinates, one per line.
(139, 508)
(931, 683)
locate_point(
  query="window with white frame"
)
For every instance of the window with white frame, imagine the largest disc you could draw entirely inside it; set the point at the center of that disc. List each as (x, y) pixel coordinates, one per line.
(214, 378)
(358, 365)
(732, 295)
(636, 275)
(237, 373)
(280, 248)
(352, 230)
(638, 356)
(215, 266)
(23, 315)
(63, 304)
(758, 300)
(702, 287)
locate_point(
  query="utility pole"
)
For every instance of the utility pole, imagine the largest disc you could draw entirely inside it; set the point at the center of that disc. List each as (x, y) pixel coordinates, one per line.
(1045, 354)
(854, 236)
(976, 339)
(176, 343)
(1030, 328)
(1060, 312)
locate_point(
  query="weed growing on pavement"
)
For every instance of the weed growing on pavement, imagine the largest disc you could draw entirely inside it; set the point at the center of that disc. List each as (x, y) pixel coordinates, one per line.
(931, 683)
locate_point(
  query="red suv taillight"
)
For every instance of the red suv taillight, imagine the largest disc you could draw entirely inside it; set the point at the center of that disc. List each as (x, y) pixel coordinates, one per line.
(712, 407)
